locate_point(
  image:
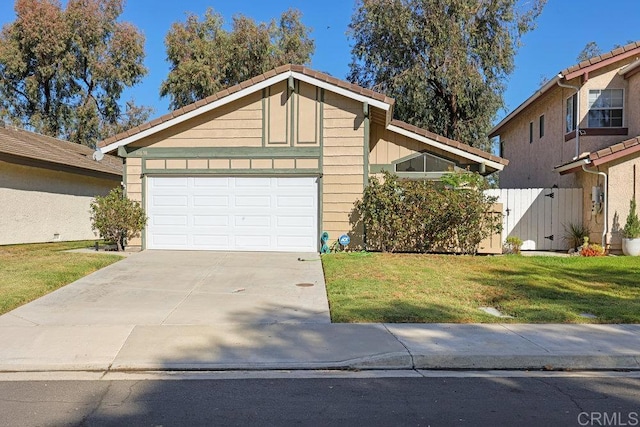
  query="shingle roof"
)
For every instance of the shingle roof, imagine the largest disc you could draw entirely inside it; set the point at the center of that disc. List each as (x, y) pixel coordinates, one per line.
(243, 85)
(450, 142)
(29, 145)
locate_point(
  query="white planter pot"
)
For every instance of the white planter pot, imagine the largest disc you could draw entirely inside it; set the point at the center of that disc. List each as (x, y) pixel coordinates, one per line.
(631, 247)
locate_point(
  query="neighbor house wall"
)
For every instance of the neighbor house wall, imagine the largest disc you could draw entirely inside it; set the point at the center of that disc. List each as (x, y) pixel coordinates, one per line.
(531, 164)
(41, 205)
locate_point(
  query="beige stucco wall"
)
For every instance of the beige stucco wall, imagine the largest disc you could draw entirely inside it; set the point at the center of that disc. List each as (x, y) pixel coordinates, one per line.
(531, 164)
(36, 205)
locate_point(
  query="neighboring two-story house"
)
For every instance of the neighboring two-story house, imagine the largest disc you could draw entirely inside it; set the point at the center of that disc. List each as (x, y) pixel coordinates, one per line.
(581, 130)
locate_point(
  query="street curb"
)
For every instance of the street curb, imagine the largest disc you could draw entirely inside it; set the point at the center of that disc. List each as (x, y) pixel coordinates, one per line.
(390, 361)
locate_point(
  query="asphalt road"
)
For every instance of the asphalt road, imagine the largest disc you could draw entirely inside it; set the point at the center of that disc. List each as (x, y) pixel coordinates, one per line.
(488, 401)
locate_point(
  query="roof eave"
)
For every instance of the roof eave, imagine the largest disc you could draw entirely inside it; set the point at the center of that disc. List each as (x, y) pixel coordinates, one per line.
(572, 167)
(496, 166)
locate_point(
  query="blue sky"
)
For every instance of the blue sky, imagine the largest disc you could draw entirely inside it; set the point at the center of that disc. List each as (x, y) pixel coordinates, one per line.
(563, 29)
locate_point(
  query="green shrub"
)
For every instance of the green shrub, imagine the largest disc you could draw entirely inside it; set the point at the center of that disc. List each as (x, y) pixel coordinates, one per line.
(117, 218)
(574, 234)
(631, 229)
(512, 245)
(418, 216)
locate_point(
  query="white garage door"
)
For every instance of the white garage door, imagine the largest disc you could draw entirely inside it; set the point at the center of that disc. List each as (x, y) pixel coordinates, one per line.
(235, 214)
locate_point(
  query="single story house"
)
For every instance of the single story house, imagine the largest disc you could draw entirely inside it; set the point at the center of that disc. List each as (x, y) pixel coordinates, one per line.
(47, 185)
(273, 162)
(582, 130)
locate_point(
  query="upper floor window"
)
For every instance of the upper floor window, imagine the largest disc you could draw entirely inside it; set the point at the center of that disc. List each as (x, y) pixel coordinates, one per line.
(541, 123)
(572, 113)
(605, 108)
(530, 132)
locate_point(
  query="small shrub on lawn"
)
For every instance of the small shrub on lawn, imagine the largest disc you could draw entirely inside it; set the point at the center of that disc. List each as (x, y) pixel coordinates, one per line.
(117, 218)
(512, 245)
(423, 216)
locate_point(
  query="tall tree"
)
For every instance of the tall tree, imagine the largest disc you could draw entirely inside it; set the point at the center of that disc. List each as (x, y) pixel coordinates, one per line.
(444, 61)
(590, 50)
(206, 58)
(63, 70)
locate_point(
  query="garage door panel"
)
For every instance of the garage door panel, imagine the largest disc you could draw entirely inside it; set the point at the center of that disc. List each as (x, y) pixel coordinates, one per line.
(177, 240)
(171, 182)
(211, 221)
(232, 213)
(253, 183)
(211, 240)
(169, 220)
(252, 221)
(253, 201)
(170, 201)
(295, 221)
(210, 182)
(211, 201)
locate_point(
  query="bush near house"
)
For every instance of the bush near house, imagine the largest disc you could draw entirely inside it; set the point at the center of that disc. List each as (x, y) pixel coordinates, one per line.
(117, 218)
(425, 216)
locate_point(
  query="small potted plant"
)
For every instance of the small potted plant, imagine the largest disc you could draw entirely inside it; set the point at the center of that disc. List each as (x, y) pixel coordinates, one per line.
(631, 232)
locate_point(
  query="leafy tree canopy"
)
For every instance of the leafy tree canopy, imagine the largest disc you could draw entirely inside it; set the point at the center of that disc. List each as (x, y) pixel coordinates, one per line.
(590, 50)
(206, 58)
(63, 70)
(445, 62)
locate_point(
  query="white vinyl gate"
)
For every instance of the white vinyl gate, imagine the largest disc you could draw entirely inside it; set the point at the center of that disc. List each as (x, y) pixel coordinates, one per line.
(538, 215)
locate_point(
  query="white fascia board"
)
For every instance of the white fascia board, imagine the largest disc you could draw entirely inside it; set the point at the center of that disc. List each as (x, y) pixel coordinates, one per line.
(198, 111)
(341, 91)
(447, 148)
(577, 164)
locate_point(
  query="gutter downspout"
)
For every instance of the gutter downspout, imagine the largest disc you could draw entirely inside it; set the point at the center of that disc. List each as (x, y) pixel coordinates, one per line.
(605, 194)
(577, 89)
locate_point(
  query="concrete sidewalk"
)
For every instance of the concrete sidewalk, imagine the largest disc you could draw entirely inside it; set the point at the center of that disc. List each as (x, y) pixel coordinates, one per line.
(318, 346)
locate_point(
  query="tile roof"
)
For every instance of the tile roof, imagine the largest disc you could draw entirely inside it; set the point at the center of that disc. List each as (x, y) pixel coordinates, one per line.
(243, 85)
(569, 73)
(29, 145)
(450, 142)
(601, 58)
(615, 151)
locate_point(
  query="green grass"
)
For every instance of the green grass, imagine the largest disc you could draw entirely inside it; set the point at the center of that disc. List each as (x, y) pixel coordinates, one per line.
(28, 272)
(443, 288)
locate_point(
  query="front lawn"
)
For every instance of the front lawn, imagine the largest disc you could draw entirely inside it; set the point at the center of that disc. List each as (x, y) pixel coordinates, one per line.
(375, 287)
(28, 272)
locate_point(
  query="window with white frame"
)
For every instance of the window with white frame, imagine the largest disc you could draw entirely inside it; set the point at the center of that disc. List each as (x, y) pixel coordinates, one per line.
(605, 108)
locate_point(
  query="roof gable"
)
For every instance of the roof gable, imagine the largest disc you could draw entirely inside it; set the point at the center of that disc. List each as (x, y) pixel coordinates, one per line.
(383, 104)
(243, 89)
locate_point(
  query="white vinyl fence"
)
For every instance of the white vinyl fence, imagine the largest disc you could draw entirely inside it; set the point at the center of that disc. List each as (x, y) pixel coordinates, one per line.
(538, 215)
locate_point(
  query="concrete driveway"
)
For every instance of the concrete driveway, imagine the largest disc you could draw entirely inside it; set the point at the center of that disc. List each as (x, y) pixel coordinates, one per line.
(187, 288)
